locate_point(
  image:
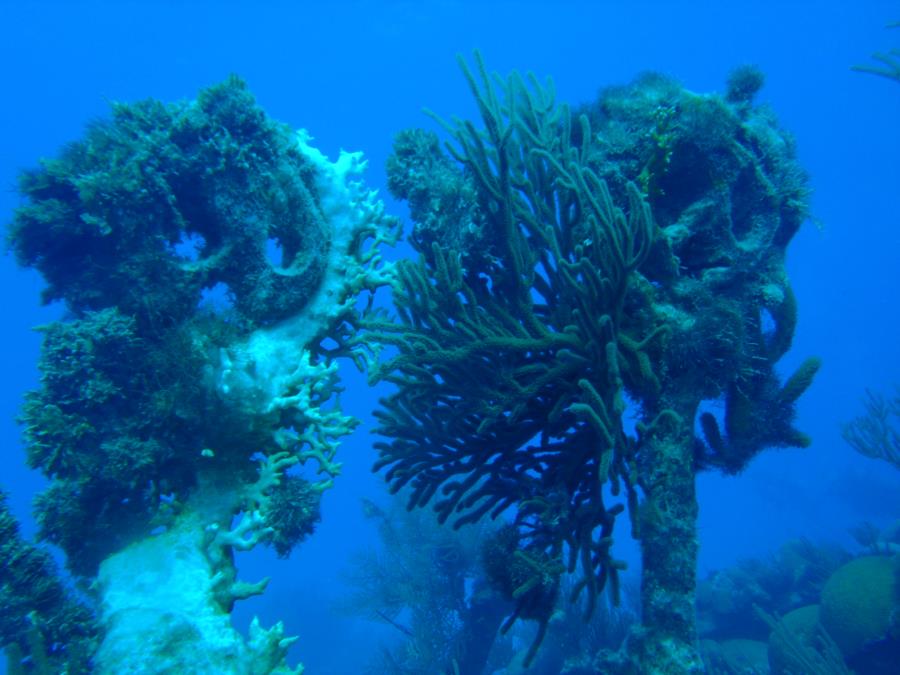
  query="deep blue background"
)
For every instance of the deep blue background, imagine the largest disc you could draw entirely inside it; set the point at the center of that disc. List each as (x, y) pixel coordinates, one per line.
(354, 73)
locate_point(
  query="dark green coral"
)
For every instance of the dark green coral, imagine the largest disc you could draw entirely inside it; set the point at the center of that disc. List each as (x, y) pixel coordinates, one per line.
(511, 370)
(42, 619)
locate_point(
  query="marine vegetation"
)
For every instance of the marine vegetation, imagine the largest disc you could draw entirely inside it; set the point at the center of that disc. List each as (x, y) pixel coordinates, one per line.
(596, 314)
(876, 434)
(203, 253)
(888, 62)
(428, 584)
(432, 585)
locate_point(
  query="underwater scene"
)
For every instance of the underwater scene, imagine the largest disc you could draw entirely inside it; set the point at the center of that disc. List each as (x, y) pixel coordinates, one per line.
(450, 337)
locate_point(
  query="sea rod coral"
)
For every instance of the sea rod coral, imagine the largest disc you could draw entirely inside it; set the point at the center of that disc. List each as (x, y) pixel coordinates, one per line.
(204, 253)
(578, 270)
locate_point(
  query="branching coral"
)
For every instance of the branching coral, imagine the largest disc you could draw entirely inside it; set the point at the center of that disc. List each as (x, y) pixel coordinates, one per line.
(519, 351)
(528, 349)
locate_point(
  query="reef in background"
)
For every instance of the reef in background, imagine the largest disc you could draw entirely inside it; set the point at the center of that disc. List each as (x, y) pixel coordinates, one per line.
(806, 609)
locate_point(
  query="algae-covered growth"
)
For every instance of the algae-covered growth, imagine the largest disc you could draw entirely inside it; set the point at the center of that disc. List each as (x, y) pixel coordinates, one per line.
(167, 423)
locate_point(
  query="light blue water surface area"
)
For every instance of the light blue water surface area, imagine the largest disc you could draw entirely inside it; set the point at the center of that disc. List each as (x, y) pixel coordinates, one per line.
(354, 74)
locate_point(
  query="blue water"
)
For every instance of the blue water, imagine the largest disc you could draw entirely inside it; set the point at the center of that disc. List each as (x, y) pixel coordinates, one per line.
(355, 73)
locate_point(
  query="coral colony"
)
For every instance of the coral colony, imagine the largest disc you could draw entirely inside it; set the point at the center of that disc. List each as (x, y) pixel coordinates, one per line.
(588, 281)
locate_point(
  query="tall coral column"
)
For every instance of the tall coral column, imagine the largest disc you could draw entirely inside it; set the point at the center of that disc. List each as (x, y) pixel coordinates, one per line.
(211, 261)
